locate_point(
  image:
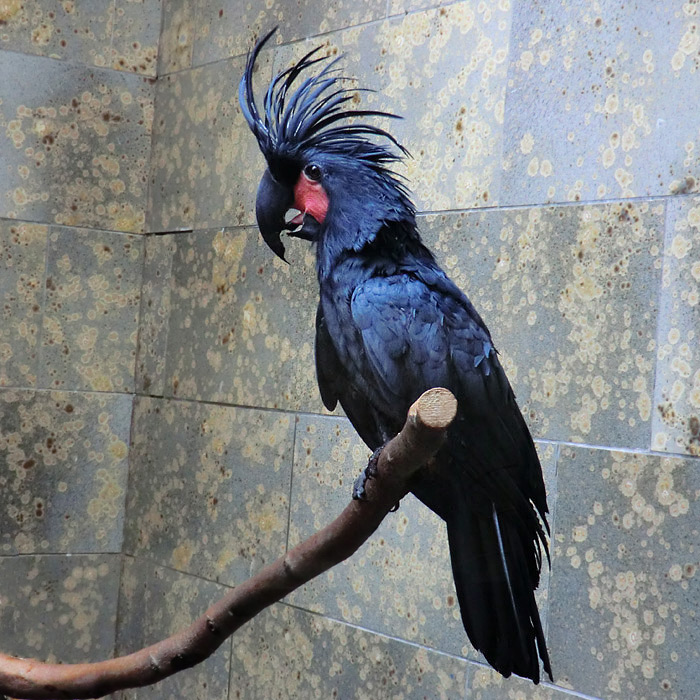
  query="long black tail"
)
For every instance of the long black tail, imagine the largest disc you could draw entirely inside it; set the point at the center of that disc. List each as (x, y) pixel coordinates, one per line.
(496, 567)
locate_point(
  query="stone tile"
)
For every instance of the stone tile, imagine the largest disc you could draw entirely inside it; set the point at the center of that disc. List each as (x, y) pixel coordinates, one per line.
(229, 28)
(135, 37)
(400, 581)
(121, 34)
(676, 421)
(58, 608)
(80, 32)
(487, 684)
(63, 482)
(74, 144)
(287, 653)
(155, 603)
(444, 71)
(624, 590)
(598, 102)
(203, 151)
(155, 314)
(242, 322)
(176, 37)
(93, 287)
(209, 487)
(22, 261)
(570, 296)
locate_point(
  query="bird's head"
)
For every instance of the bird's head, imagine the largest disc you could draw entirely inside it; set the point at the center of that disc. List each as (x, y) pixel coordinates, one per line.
(322, 160)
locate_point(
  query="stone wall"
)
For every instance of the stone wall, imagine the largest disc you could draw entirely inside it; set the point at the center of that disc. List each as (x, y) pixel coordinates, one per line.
(76, 112)
(555, 167)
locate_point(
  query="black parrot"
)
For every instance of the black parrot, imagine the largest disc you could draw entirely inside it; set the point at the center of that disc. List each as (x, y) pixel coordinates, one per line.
(390, 325)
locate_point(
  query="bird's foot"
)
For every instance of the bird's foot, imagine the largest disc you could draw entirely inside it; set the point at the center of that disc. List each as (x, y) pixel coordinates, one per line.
(359, 492)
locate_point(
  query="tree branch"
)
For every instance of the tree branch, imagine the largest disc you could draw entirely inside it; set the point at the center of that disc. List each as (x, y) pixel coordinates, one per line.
(418, 441)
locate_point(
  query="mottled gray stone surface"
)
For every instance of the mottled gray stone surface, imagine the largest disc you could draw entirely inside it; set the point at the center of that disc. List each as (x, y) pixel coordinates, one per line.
(286, 653)
(137, 26)
(228, 28)
(58, 608)
(241, 324)
(120, 34)
(570, 295)
(22, 262)
(156, 602)
(74, 144)
(624, 590)
(64, 471)
(205, 163)
(208, 487)
(177, 36)
(91, 316)
(155, 314)
(676, 417)
(599, 101)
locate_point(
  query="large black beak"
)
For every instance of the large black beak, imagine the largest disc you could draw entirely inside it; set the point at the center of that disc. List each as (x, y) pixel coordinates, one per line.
(273, 201)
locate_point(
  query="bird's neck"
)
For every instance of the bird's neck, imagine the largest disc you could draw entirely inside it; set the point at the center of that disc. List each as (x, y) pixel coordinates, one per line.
(391, 246)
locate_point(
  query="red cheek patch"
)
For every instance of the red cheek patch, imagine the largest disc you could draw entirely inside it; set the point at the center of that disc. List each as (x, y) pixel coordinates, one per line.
(310, 198)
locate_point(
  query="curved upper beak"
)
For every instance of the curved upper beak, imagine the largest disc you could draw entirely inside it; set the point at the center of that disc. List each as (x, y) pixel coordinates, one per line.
(273, 201)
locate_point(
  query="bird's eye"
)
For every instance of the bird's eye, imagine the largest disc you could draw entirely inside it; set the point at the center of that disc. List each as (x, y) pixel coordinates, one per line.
(312, 171)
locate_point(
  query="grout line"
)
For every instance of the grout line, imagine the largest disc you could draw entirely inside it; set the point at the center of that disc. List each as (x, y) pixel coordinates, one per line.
(161, 31)
(44, 301)
(130, 476)
(147, 213)
(550, 205)
(120, 602)
(160, 565)
(59, 390)
(614, 448)
(291, 481)
(335, 416)
(665, 198)
(543, 684)
(388, 17)
(568, 691)
(18, 555)
(110, 50)
(139, 322)
(50, 224)
(73, 63)
(449, 654)
(659, 318)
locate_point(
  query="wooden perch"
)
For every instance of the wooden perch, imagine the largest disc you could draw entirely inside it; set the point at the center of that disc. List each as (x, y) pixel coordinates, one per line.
(418, 441)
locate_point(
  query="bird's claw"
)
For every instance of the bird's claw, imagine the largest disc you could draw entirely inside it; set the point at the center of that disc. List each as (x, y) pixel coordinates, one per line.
(359, 493)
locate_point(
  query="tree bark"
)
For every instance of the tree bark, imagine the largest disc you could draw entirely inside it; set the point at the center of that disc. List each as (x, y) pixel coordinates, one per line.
(418, 441)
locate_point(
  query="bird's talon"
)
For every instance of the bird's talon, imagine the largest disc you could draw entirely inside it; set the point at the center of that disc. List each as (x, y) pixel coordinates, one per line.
(359, 493)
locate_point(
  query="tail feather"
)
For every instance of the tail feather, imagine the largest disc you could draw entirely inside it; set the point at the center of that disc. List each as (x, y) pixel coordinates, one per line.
(495, 588)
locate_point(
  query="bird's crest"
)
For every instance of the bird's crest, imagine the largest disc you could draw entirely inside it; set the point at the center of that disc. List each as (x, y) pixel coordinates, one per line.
(314, 115)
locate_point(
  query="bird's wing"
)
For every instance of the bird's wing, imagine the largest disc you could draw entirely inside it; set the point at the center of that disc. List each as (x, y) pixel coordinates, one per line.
(404, 339)
(328, 367)
(417, 331)
(336, 384)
